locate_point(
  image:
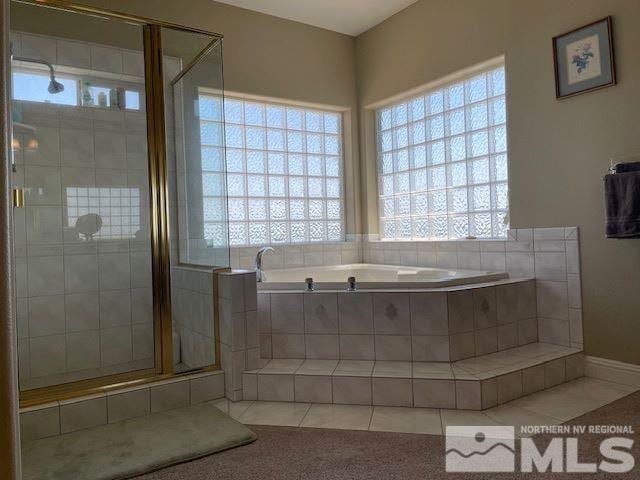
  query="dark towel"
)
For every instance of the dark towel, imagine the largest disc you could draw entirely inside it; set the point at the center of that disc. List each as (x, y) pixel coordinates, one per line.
(627, 167)
(622, 204)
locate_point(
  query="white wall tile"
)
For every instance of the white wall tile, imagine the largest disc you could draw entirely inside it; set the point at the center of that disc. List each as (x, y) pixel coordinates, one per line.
(357, 347)
(351, 390)
(429, 314)
(46, 315)
(462, 345)
(392, 392)
(551, 266)
(287, 313)
(79, 414)
(287, 345)
(106, 59)
(355, 313)
(468, 395)
(132, 403)
(80, 273)
(276, 388)
(460, 308)
(115, 308)
(431, 348)
(133, 63)
(39, 47)
(313, 388)
(47, 355)
(74, 54)
(249, 386)
(484, 307)
(46, 276)
(554, 372)
(169, 395)
(509, 386)
(322, 346)
(552, 299)
(115, 346)
(41, 422)
(434, 393)
(486, 341)
(393, 347)
(554, 331)
(83, 350)
(574, 294)
(205, 387)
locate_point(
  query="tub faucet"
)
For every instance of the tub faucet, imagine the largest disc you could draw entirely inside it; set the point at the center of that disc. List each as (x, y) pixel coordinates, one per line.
(259, 255)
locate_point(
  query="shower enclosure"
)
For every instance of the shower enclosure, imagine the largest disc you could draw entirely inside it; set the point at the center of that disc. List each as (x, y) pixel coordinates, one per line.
(117, 141)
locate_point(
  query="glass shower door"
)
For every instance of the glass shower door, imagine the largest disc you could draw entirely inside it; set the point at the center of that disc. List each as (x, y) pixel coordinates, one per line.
(199, 232)
(83, 254)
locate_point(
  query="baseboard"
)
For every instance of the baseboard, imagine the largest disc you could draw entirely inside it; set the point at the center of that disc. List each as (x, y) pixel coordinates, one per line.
(612, 370)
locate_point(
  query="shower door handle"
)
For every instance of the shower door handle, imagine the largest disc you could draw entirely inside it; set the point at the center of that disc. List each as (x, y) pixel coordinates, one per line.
(18, 198)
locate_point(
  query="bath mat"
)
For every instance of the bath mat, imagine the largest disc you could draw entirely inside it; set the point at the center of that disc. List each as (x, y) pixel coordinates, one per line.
(133, 447)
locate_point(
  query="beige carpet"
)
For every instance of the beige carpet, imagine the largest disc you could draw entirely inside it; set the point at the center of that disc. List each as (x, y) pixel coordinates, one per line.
(132, 447)
(283, 453)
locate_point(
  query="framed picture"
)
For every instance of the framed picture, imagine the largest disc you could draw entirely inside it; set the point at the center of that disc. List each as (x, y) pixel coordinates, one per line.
(583, 59)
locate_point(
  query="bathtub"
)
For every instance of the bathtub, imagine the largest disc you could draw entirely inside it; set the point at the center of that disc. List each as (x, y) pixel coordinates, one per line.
(371, 276)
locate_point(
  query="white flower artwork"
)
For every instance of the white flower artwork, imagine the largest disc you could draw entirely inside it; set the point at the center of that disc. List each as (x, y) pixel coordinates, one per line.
(583, 59)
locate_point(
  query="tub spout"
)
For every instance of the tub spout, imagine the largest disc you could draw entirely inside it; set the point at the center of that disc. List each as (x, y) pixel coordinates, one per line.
(259, 255)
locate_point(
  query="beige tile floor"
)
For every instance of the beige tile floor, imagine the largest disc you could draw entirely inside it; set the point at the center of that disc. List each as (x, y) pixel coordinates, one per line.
(550, 407)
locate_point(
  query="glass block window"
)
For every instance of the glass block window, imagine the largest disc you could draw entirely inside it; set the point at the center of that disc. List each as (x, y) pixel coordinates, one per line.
(104, 212)
(442, 162)
(283, 171)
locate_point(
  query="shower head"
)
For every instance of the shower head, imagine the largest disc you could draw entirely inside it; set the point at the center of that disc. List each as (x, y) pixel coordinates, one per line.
(54, 86)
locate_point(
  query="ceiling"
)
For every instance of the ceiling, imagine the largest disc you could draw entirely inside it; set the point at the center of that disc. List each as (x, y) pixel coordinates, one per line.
(351, 17)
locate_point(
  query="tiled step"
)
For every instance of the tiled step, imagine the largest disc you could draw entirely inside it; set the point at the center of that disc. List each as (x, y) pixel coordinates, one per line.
(472, 384)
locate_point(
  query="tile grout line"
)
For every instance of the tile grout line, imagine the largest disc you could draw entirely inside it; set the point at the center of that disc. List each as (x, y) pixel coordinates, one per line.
(305, 414)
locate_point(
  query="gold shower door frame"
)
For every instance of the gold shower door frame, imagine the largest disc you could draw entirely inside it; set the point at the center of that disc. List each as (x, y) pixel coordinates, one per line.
(159, 216)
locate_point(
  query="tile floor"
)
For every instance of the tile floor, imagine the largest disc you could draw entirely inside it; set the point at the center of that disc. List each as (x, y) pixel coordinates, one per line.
(550, 407)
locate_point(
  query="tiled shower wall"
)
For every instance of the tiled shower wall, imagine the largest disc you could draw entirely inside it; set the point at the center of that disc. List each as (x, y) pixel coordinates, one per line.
(84, 306)
(193, 317)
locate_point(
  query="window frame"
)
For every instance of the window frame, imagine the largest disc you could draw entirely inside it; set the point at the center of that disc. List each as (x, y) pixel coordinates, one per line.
(96, 82)
(374, 153)
(343, 158)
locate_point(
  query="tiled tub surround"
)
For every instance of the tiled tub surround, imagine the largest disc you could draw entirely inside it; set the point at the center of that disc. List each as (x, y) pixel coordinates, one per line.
(372, 276)
(239, 340)
(550, 255)
(192, 308)
(113, 406)
(473, 384)
(291, 256)
(398, 325)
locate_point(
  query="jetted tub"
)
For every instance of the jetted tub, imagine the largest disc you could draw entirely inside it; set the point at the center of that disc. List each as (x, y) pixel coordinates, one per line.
(371, 276)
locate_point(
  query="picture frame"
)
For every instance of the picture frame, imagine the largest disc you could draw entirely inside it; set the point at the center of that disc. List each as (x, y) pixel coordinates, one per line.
(583, 59)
